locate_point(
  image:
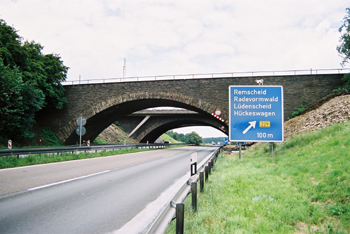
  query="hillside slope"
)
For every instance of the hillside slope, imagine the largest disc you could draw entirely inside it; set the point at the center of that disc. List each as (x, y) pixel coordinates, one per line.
(336, 110)
(113, 135)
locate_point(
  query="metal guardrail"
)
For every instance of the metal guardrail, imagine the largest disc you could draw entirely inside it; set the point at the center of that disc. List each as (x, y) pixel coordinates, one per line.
(210, 75)
(72, 149)
(161, 223)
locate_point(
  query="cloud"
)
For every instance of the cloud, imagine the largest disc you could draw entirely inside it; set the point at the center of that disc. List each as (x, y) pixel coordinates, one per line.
(181, 37)
(174, 37)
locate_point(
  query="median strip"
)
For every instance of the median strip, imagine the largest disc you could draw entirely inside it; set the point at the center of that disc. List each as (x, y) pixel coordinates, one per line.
(66, 181)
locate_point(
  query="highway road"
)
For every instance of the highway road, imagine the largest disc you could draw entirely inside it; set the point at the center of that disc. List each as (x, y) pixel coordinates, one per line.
(97, 195)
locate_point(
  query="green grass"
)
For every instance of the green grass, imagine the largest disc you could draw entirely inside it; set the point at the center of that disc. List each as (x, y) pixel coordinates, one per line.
(13, 161)
(166, 137)
(304, 188)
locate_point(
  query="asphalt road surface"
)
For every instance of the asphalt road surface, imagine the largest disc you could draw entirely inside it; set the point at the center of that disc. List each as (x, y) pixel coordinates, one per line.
(95, 195)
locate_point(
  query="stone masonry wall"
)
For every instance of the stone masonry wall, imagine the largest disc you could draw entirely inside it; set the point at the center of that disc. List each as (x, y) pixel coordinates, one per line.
(205, 95)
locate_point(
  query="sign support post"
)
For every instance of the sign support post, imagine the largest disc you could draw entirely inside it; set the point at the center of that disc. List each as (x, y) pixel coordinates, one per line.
(81, 121)
(240, 150)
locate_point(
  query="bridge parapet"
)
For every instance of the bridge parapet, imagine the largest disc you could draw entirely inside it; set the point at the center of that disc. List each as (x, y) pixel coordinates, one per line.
(211, 76)
(164, 112)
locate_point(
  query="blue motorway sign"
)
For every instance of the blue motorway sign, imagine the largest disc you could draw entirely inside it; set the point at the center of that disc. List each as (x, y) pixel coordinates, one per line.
(256, 113)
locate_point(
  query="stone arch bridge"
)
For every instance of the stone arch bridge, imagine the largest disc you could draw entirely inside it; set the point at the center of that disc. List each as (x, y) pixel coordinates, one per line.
(104, 103)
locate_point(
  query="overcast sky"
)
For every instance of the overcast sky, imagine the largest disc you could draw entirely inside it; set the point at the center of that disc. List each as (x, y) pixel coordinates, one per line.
(161, 37)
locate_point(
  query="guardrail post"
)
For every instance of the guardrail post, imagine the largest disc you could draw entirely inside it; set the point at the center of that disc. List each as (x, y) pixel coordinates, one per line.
(194, 196)
(180, 218)
(201, 177)
(206, 172)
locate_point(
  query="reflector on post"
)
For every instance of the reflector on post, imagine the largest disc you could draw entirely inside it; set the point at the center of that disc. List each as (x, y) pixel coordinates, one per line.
(193, 164)
(9, 144)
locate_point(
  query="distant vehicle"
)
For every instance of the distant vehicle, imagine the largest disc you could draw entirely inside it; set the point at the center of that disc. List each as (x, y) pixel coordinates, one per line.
(223, 143)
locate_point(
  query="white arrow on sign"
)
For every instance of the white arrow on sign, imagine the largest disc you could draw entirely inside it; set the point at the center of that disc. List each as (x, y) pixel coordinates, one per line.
(251, 124)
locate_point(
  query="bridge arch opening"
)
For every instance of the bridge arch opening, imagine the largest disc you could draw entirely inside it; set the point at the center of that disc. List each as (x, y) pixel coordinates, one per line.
(118, 109)
(156, 132)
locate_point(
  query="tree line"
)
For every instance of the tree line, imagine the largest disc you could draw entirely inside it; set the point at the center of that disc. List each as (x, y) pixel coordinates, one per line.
(344, 49)
(189, 138)
(29, 82)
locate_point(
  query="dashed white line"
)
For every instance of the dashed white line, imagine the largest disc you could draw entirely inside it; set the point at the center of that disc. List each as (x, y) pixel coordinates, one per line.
(66, 181)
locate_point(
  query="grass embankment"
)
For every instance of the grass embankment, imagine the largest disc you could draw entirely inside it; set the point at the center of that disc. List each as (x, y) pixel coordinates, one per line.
(304, 188)
(165, 137)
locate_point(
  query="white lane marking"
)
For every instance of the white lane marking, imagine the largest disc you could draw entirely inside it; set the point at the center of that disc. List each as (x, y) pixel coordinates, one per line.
(65, 181)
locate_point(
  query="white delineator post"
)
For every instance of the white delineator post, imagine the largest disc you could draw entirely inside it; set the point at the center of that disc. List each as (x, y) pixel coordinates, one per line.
(9, 144)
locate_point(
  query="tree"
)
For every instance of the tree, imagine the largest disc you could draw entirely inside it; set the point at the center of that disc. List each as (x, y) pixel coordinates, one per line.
(19, 101)
(48, 72)
(29, 82)
(344, 50)
(181, 137)
(172, 134)
(193, 138)
(175, 136)
(11, 101)
(344, 47)
(11, 51)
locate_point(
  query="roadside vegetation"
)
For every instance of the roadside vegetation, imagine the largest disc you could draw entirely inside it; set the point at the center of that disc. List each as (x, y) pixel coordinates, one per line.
(299, 110)
(167, 138)
(216, 140)
(14, 161)
(304, 188)
(189, 138)
(30, 81)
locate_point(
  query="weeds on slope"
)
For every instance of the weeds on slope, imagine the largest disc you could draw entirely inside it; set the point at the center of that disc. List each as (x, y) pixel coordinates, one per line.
(304, 188)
